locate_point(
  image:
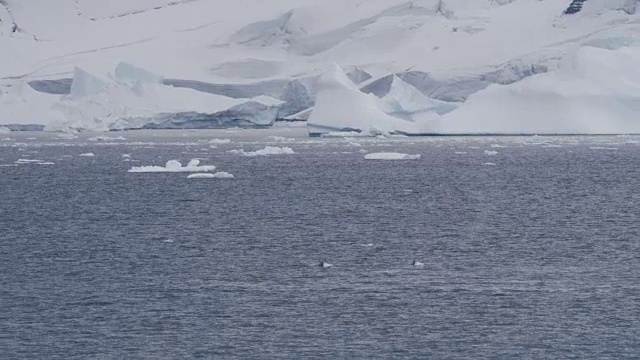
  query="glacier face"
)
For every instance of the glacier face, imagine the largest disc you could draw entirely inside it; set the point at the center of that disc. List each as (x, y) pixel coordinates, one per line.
(195, 60)
(595, 91)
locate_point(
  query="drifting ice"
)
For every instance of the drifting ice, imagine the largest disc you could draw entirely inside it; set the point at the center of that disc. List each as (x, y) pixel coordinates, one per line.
(174, 166)
(268, 150)
(392, 156)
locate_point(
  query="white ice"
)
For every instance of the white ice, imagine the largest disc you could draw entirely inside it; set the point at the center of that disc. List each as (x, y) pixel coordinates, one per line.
(391, 156)
(268, 150)
(173, 166)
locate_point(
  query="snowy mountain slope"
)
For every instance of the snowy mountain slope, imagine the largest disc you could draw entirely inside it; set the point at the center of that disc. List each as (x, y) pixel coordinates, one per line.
(447, 49)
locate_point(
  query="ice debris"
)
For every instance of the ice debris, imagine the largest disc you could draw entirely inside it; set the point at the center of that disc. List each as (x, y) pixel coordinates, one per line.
(268, 150)
(174, 166)
(391, 156)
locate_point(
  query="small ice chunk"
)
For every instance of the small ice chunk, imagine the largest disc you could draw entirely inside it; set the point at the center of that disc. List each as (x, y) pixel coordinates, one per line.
(28, 161)
(193, 163)
(107, 138)
(391, 156)
(281, 138)
(417, 263)
(219, 141)
(268, 150)
(218, 175)
(87, 154)
(489, 164)
(174, 166)
(200, 176)
(490, 153)
(4, 130)
(126, 156)
(223, 175)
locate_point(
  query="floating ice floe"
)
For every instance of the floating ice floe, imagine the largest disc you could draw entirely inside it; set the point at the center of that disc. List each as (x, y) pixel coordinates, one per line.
(219, 141)
(174, 166)
(281, 139)
(391, 156)
(107, 138)
(489, 164)
(218, 175)
(66, 136)
(490, 153)
(28, 161)
(268, 150)
(87, 154)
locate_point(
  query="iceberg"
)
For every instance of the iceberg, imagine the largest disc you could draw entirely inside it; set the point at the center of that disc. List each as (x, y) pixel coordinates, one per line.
(594, 91)
(85, 84)
(22, 108)
(174, 166)
(131, 75)
(391, 156)
(406, 102)
(342, 107)
(137, 99)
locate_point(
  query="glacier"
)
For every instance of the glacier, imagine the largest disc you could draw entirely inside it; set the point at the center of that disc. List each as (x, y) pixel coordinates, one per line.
(423, 66)
(595, 91)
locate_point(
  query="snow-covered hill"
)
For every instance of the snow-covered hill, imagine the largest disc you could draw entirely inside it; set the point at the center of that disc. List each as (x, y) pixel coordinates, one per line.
(211, 56)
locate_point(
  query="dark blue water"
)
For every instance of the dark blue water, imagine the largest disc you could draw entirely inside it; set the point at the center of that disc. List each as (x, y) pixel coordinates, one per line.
(536, 257)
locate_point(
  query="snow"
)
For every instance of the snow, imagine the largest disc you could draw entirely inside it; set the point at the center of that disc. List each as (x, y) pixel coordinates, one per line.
(174, 166)
(268, 150)
(391, 156)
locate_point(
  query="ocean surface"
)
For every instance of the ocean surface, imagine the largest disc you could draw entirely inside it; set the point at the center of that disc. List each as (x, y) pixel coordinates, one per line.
(536, 255)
